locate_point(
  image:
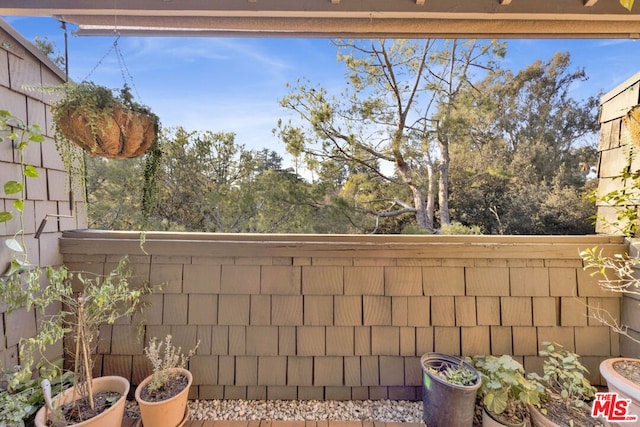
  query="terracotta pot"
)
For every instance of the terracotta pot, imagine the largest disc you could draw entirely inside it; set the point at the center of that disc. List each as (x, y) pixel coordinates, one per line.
(112, 417)
(538, 419)
(491, 420)
(170, 412)
(123, 134)
(625, 388)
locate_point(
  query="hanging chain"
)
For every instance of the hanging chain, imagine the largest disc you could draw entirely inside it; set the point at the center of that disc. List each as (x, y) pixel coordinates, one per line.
(124, 69)
(127, 78)
(113, 46)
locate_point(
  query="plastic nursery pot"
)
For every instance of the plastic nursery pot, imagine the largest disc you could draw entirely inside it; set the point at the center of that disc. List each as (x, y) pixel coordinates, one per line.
(111, 417)
(491, 420)
(171, 412)
(446, 404)
(613, 371)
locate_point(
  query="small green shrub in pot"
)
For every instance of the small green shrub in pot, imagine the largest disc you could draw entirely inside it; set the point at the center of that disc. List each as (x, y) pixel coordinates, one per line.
(567, 391)
(164, 361)
(505, 390)
(162, 396)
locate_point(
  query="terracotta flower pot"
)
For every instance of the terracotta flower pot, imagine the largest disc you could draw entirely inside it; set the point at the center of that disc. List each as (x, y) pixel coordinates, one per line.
(618, 383)
(171, 412)
(492, 420)
(538, 419)
(112, 417)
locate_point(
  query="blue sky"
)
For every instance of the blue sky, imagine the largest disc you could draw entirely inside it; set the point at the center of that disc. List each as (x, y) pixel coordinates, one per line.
(227, 84)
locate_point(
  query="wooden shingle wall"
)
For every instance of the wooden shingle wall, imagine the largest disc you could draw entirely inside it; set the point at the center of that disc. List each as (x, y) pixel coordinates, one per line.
(617, 152)
(614, 145)
(348, 317)
(21, 64)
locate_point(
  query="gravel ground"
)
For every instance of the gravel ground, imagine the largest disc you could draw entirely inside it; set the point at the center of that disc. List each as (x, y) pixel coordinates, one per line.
(351, 410)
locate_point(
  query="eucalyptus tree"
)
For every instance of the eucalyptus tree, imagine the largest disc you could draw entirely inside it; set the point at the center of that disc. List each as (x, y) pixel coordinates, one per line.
(391, 123)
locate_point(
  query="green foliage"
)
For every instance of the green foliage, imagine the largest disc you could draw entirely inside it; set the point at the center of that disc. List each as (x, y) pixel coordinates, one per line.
(624, 199)
(165, 359)
(564, 376)
(15, 131)
(208, 182)
(504, 384)
(22, 402)
(457, 228)
(455, 374)
(48, 47)
(617, 273)
(627, 4)
(523, 149)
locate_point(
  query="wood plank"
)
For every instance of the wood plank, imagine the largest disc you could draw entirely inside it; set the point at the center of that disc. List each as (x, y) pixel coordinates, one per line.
(437, 247)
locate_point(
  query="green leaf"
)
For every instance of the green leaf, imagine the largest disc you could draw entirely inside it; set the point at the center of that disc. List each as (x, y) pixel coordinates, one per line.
(14, 245)
(628, 4)
(30, 171)
(19, 204)
(5, 216)
(12, 187)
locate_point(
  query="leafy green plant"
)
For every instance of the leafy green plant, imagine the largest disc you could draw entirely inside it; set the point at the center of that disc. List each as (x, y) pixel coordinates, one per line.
(564, 377)
(22, 402)
(504, 384)
(454, 374)
(17, 132)
(163, 360)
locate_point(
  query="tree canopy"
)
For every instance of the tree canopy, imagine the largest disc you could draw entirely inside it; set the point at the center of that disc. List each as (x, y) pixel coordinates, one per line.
(426, 136)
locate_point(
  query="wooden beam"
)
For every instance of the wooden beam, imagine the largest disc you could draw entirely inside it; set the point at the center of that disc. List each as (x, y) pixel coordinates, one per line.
(335, 1)
(420, 2)
(505, 2)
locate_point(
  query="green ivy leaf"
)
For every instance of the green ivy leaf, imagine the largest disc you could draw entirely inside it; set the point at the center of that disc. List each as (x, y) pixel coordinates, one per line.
(627, 4)
(19, 204)
(12, 187)
(14, 245)
(30, 171)
(5, 216)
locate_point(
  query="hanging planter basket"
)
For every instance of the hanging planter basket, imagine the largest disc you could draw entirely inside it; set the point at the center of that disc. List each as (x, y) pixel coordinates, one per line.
(104, 124)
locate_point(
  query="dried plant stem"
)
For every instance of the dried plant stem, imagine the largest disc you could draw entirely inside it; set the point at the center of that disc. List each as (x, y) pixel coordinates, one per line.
(85, 351)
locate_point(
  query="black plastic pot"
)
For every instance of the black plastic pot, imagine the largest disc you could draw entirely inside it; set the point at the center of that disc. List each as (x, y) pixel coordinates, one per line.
(446, 404)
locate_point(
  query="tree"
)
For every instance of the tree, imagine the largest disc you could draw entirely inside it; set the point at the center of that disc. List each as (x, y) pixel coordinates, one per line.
(391, 124)
(523, 143)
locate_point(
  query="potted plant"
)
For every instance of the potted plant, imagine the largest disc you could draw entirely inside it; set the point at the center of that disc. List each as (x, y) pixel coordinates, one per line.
(101, 300)
(162, 396)
(505, 391)
(618, 274)
(103, 123)
(566, 391)
(448, 390)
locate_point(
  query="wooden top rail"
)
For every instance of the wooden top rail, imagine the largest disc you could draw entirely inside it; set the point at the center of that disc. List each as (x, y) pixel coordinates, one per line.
(296, 245)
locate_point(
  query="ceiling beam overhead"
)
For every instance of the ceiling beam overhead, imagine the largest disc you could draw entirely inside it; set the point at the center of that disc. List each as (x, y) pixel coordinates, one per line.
(341, 18)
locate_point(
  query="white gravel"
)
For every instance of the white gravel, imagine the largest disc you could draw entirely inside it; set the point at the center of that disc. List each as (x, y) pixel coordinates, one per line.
(350, 410)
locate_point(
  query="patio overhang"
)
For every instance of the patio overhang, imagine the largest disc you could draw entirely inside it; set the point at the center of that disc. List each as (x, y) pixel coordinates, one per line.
(341, 18)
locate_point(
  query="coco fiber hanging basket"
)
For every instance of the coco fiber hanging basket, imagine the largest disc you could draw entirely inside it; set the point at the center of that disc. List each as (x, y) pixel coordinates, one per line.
(101, 124)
